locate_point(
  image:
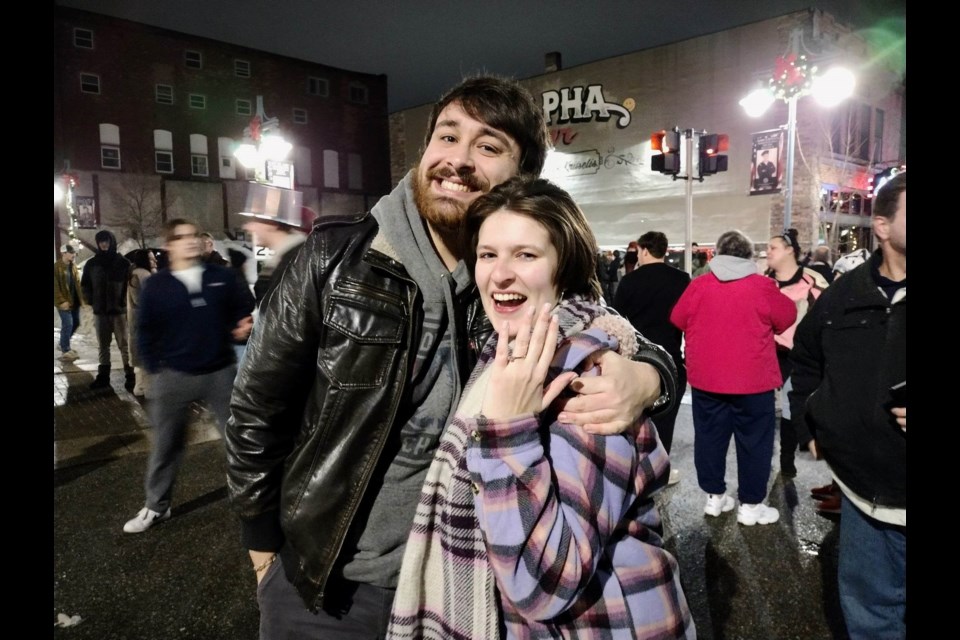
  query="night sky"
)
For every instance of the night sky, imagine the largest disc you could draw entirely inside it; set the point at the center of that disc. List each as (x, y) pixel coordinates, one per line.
(425, 47)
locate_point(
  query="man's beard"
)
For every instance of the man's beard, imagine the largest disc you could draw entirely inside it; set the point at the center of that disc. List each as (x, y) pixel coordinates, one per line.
(445, 215)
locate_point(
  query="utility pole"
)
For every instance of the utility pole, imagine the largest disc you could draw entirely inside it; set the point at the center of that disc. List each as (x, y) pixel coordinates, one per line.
(668, 162)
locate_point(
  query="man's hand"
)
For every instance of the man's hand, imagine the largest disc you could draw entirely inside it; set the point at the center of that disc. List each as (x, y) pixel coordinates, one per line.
(901, 415)
(812, 446)
(242, 331)
(613, 401)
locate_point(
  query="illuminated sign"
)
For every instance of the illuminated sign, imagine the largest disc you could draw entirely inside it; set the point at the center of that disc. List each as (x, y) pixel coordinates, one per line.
(583, 104)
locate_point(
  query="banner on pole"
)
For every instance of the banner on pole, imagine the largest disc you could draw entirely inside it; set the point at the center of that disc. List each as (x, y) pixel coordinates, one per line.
(86, 211)
(767, 166)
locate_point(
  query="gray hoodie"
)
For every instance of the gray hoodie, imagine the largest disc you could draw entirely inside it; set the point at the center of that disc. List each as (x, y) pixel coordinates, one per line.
(728, 268)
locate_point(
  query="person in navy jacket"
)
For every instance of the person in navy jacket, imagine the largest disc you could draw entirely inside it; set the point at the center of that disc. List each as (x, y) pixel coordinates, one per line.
(189, 315)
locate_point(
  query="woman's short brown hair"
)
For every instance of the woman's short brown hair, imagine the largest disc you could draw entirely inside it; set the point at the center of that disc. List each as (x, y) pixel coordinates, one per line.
(552, 207)
(734, 243)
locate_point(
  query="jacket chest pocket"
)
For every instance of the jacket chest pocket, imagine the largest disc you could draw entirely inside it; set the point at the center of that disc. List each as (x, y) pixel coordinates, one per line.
(848, 332)
(362, 336)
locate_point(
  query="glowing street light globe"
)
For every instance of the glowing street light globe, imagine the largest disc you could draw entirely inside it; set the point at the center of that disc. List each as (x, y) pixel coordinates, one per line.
(757, 102)
(274, 147)
(247, 155)
(833, 87)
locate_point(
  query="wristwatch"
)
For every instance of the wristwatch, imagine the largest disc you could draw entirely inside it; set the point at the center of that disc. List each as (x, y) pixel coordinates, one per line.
(663, 400)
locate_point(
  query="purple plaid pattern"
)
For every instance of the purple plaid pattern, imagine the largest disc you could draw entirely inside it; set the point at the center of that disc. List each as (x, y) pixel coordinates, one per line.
(555, 525)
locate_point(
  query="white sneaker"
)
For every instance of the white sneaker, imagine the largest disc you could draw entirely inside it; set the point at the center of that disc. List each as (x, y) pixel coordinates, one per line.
(674, 477)
(69, 356)
(751, 514)
(718, 504)
(145, 519)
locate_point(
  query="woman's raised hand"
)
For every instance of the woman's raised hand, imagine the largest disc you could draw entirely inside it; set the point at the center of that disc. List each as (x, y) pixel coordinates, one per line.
(516, 379)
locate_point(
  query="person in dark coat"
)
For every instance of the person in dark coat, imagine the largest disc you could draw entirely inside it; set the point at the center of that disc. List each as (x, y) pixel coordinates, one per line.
(646, 297)
(104, 285)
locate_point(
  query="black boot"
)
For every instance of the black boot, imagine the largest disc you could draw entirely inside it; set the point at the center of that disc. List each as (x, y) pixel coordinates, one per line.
(788, 449)
(102, 381)
(130, 380)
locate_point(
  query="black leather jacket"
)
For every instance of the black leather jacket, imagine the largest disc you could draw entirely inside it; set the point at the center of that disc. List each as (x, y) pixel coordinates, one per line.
(317, 395)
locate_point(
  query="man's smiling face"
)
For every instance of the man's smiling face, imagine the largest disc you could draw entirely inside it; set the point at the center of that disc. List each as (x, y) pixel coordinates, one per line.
(464, 159)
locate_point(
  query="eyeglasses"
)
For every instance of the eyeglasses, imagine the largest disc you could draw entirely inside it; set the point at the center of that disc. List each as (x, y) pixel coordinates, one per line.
(181, 236)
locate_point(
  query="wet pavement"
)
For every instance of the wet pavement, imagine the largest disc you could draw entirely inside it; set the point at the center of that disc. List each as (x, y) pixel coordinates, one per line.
(188, 578)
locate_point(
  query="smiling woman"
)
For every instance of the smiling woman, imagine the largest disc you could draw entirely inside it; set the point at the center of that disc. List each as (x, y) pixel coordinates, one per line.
(530, 525)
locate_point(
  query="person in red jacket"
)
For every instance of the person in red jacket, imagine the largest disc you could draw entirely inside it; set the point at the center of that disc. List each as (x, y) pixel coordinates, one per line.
(729, 318)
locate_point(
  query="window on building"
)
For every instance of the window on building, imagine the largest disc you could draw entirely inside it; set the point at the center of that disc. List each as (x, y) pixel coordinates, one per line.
(198, 101)
(198, 165)
(244, 107)
(109, 145)
(163, 151)
(82, 38)
(358, 93)
(89, 83)
(300, 116)
(228, 164)
(354, 171)
(109, 157)
(318, 87)
(198, 155)
(163, 161)
(241, 68)
(303, 166)
(331, 169)
(878, 136)
(164, 94)
(847, 201)
(192, 59)
(850, 131)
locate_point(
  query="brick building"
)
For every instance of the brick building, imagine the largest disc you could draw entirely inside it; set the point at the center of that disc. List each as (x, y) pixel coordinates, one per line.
(602, 114)
(147, 120)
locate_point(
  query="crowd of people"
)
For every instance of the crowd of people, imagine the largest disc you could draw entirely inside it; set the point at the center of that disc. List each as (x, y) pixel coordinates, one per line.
(452, 415)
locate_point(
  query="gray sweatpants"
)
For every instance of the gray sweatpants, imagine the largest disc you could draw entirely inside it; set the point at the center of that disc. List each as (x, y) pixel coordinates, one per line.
(169, 395)
(107, 327)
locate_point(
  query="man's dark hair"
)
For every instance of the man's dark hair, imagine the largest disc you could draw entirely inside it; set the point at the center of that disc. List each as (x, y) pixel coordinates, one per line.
(734, 243)
(503, 104)
(655, 242)
(552, 207)
(886, 201)
(170, 227)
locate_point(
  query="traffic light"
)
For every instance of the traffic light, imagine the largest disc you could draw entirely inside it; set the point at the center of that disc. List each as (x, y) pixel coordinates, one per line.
(711, 161)
(668, 144)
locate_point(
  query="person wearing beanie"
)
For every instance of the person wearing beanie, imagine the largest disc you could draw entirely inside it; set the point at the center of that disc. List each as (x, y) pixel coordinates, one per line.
(67, 298)
(104, 286)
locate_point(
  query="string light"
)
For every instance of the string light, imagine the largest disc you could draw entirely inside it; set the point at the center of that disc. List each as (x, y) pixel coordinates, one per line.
(792, 76)
(70, 181)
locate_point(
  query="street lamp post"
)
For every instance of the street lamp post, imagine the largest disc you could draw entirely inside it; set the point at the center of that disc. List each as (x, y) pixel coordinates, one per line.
(791, 144)
(791, 81)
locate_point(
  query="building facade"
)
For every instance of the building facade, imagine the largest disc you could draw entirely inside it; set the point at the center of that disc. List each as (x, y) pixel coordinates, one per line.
(601, 116)
(146, 121)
